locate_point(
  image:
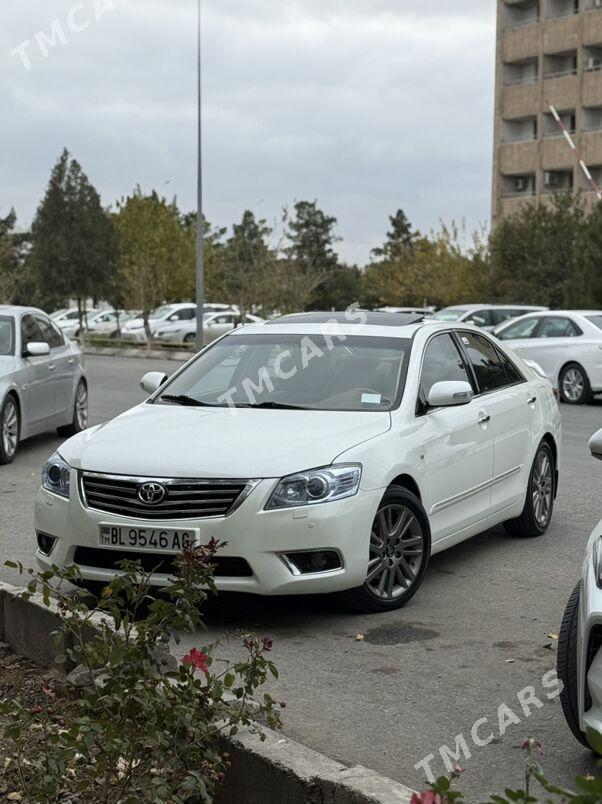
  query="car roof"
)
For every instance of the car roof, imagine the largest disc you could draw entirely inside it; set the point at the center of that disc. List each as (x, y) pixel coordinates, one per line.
(467, 307)
(15, 309)
(353, 318)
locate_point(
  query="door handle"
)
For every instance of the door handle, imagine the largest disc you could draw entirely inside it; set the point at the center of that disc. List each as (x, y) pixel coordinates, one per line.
(51, 367)
(484, 418)
(71, 361)
(532, 401)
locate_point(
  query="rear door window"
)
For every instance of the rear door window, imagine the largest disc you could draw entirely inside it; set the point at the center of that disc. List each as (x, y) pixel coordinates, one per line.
(486, 363)
(525, 328)
(559, 327)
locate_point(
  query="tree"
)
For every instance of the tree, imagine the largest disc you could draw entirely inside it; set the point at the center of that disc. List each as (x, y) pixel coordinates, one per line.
(247, 263)
(156, 253)
(310, 256)
(73, 246)
(539, 255)
(341, 288)
(13, 248)
(214, 256)
(399, 240)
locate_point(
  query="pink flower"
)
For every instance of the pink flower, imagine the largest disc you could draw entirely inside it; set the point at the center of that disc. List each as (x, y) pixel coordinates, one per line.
(196, 659)
(427, 797)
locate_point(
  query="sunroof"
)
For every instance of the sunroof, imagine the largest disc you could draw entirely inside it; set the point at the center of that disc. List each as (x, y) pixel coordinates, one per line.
(355, 317)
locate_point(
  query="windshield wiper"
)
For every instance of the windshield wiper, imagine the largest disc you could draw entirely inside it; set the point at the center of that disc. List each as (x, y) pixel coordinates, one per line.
(187, 401)
(273, 406)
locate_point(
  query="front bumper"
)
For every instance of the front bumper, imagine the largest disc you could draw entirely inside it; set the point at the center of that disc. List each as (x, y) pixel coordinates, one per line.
(257, 536)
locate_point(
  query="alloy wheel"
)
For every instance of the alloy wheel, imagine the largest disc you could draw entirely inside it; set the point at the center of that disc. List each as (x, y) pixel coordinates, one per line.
(396, 552)
(542, 488)
(10, 428)
(81, 406)
(573, 384)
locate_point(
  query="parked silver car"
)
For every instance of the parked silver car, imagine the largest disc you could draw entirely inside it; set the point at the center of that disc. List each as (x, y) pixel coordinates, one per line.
(42, 380)
(214, 326)
(485, 316)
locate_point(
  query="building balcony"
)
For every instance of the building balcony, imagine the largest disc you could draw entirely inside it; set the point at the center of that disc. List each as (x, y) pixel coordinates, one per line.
(560, 33)
(592, 28)
(513, 205)
(592, 88)
(521, 100)
(561, 90)
(591, 147)
(518, 157)
(520, 42)
(556, 153)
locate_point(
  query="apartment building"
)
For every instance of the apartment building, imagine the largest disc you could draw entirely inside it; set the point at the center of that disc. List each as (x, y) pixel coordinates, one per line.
(548, 52)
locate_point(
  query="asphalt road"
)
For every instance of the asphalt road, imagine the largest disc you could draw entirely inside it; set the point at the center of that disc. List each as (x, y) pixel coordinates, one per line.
(473, 637)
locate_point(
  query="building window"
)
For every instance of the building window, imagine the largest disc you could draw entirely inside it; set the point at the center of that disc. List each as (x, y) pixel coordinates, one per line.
(592, 118)
(592, 4)
(556, 65)
(592, 58)
(525, 71)
(561, 8)
(551, 127)
(519, 130)
(523, 13)
(554, 181)
(518, 185)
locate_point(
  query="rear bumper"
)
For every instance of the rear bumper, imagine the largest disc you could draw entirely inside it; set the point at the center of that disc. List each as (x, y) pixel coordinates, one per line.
(257, 537)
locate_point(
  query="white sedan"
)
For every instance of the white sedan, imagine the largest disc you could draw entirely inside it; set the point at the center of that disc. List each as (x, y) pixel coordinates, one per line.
(580, 639)
(42, 380)
(567, 344)
(328, 452)
(214, 326)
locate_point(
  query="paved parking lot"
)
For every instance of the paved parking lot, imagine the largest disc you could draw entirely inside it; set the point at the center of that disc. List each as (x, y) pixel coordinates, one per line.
(474, 636)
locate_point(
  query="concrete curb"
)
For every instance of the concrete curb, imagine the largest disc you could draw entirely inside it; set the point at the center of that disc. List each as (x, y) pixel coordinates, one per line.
(146, 354)
(276, 770)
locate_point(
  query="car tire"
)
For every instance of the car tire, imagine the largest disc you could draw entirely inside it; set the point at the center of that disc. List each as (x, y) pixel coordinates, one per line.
(566, 665)
(400, 549)
(190, 338)
(10, 429)
(574, 385)
(539, 503)
(79, 421)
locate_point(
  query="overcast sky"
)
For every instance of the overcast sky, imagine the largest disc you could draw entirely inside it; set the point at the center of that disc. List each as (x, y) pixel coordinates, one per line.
(364, 105)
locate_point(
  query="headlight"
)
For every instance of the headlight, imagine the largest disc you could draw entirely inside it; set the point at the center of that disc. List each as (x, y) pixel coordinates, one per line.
(55, 476)
(316, 486)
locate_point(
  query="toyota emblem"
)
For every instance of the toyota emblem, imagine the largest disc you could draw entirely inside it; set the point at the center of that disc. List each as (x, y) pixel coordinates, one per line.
(151, 493)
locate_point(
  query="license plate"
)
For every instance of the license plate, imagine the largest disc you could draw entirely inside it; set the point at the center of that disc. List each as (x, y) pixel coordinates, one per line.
(157, 539)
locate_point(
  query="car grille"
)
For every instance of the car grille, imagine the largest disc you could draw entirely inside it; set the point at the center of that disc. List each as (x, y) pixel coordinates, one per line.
(184, 499)
(96, 558)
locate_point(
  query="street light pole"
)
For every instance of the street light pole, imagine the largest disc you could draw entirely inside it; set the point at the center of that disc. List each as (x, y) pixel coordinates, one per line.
(200, 243)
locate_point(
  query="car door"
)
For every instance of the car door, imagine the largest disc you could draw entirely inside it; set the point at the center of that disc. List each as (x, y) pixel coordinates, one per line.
(36, 378)
(62, 365)
(456, 445)
(221, 324)
(515, 412)
(556, 342)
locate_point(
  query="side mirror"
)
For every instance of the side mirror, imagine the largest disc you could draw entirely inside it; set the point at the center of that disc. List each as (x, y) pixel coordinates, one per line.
(37, 349)
(449, 394)
(595, 445)
(152, 381)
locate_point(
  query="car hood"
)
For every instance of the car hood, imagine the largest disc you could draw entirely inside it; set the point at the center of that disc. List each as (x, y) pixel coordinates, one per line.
(170, 441)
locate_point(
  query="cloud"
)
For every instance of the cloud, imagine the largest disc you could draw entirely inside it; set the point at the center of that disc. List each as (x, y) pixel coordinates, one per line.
(366, 105)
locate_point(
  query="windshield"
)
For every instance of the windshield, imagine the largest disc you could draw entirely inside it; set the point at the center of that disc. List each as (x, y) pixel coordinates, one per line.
(7, 336)
(449, 314)
(311, 372)
(596, 319)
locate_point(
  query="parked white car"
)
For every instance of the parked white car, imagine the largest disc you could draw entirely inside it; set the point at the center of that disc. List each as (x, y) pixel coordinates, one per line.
(567, 344)
(484, 316)
(133, 330)
(214, 326)
(329, 457)
(68, 320)
(580, 639)
(42, 380)
(109, 323)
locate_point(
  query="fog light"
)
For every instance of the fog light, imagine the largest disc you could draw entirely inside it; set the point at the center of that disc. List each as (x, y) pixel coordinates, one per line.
(46, 543)
(312, 561)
